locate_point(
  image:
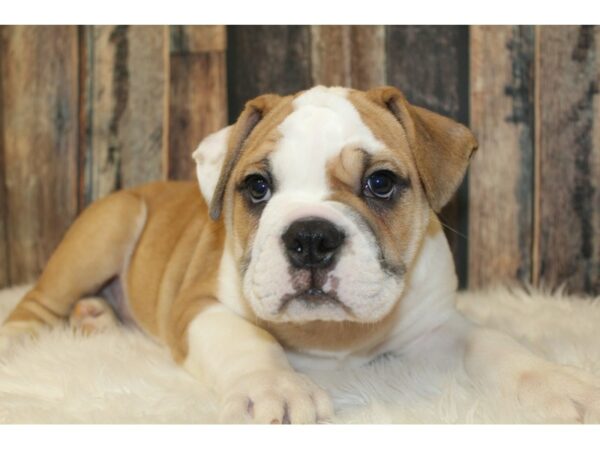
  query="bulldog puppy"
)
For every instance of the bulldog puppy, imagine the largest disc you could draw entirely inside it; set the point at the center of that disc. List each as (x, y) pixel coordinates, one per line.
(313, 242)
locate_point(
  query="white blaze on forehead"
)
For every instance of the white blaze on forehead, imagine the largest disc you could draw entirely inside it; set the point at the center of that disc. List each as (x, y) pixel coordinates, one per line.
(323, 122)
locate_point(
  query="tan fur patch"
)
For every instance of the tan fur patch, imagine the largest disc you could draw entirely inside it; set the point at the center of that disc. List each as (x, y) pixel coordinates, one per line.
(172, 275)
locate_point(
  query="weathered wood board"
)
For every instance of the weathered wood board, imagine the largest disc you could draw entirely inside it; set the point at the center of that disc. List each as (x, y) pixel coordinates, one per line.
(501, 174)
(568, 183)
(126, 103)
(263, 59)
(198, 92)
(348, 55)
(4, 254)
(39, 140)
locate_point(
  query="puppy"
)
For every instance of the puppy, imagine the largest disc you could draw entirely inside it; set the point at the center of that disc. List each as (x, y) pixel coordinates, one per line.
(312, 242)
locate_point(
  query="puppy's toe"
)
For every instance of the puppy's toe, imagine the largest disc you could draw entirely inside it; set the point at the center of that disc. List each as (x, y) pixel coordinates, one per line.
(276, 397)
(92, 315)
(269, 408)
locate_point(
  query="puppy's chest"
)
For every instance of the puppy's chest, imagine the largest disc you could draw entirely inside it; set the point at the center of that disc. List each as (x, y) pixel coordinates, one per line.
(321, 360)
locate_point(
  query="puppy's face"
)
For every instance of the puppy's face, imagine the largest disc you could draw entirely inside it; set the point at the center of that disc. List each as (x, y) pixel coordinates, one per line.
(326, 202)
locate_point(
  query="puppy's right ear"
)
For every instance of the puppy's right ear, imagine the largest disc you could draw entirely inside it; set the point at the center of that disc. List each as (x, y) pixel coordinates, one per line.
(235, 137)
(209, 158)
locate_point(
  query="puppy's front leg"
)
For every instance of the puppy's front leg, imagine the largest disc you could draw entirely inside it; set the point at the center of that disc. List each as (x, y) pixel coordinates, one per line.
(553, 392)
(250, 371)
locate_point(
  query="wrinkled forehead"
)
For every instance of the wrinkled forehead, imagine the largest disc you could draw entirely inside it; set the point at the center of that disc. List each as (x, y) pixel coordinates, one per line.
(323, 122)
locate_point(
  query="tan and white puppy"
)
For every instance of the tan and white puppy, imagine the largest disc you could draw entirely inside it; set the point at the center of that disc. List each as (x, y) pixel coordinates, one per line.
(322, 249)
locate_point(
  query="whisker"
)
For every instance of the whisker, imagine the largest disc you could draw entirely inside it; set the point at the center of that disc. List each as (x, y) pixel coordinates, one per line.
(458, 233)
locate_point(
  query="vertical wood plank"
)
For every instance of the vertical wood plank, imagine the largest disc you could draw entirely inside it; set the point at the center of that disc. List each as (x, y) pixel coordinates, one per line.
(263, 59)
(4, 261)
(331, 55)
(368, 65)
(39, 68)
(501, 174)
(352, 56)
(568, 191)
(430, 65)
(197, 38)
(127, 106)
(198, 92)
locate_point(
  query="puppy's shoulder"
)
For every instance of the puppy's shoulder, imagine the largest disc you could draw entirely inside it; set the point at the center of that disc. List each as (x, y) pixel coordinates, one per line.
(159, 189)
(168, 195)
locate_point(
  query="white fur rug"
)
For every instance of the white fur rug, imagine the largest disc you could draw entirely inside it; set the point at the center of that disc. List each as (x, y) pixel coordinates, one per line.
(122, 376)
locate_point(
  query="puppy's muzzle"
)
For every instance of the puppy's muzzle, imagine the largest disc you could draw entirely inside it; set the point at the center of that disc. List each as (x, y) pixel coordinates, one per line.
(312, 243)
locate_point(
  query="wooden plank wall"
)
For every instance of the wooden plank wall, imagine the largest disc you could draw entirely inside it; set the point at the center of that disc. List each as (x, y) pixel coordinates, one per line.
(568, 161)
(39, 142)
(198, 92)
(125, 99)
(115, 106)
(91, 109)
(534, 209)
(501, 174)
(4, 254)
(263, 59)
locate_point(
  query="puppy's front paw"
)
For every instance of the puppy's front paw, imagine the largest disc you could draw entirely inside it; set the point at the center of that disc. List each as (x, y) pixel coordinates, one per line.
(561, 394)
(275, 397)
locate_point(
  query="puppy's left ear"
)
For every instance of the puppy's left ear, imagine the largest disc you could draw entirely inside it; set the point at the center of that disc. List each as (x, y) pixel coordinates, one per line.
(441, 147)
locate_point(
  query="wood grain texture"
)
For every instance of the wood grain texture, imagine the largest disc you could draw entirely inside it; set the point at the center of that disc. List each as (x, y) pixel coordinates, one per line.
(430, 65)
(198, 38)
(368, 64)
(198, 93)
(263, 59)
(501, 174)
(39, 99)
(127, 103)
(87, 110)
(4, 255)
(351, 56)
(331, 59)
(568, 191)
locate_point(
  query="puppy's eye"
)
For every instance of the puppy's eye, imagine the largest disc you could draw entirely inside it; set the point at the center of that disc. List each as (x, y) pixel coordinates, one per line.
(258, 188)
(380, 184)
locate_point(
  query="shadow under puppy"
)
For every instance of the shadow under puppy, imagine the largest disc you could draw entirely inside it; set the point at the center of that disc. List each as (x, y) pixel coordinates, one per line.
(313, 242)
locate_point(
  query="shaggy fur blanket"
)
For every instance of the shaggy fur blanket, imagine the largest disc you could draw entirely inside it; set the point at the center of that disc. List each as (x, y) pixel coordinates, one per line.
(122, 376)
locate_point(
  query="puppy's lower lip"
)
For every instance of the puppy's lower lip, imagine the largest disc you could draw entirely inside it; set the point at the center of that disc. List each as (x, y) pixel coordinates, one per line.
(317, 297)
(314, 292)
(311, 296)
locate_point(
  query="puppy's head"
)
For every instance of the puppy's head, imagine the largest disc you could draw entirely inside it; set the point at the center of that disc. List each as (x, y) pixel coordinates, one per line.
(326, 196)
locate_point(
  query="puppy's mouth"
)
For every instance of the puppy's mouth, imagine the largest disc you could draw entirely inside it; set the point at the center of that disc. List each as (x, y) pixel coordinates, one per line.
(309, 291)
(313, 298)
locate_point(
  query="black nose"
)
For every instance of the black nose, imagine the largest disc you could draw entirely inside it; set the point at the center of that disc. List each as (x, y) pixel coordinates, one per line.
(312, 243)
